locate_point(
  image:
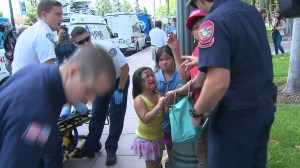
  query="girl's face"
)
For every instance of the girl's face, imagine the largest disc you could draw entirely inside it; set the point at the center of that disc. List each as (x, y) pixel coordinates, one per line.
(149, 80)
(276, 14)
(166, 62)
(195, 29)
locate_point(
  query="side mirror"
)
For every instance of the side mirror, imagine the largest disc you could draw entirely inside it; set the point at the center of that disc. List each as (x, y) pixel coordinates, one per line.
(116, 35)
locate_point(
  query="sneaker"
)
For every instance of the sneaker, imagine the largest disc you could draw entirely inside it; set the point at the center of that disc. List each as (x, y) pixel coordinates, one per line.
(111, 159)
(83, 153)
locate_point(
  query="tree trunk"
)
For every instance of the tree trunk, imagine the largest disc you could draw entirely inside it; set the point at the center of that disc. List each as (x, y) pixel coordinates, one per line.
(268, 13)
(293, 82)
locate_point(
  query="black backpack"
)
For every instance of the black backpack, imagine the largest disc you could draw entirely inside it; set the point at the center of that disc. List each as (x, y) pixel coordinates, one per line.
(9, 38)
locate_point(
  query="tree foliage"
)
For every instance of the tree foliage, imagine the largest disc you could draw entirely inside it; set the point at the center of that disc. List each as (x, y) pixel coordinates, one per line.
(1, 13)
(161, 12)
(103, 6)
(31, 11)
(127, 7)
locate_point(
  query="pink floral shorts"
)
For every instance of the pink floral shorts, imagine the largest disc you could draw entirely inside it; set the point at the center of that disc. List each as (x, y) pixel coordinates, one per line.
(148, 149)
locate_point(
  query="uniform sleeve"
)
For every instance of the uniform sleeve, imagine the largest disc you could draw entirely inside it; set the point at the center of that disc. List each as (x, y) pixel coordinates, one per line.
(118, 57)
(214, 45)
(23, 141)
(45, 47)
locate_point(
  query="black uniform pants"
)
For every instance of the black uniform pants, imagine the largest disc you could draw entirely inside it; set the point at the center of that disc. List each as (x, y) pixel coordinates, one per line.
(239, 138)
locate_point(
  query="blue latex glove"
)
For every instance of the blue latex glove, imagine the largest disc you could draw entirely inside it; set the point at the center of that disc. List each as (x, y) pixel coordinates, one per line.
(81, 108)
(65, 111)
(118, 97)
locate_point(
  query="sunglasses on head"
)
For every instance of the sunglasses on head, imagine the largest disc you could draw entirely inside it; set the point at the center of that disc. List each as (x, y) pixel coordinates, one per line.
(87, 39)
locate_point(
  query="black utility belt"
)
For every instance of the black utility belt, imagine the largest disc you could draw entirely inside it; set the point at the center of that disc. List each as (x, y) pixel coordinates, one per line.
(271, 100)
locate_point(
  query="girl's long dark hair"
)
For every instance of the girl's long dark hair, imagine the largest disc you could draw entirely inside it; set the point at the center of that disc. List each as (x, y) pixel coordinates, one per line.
(279, 18)
(160, 51)
(137, 81)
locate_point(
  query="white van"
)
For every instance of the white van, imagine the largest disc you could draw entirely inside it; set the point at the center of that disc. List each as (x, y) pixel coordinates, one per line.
(127, 28)
(95, 25)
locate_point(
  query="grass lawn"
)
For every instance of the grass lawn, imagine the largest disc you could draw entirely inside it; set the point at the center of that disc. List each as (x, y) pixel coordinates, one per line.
(284, 145)
(280, 68)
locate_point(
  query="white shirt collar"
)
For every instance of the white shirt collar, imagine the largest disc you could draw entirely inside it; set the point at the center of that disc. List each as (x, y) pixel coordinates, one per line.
(45, 25)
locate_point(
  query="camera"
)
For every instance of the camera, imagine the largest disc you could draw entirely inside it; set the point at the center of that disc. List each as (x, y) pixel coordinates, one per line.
(289, 8)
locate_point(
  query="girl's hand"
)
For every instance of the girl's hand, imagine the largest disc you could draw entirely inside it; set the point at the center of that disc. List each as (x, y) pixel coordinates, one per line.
(170, 95)
(173, 41)
(161, 102)
(189, 62)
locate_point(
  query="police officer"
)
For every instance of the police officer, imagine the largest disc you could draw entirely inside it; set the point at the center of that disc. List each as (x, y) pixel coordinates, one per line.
(116, 101)
(36, 43)
(236, 57)
(31, 100)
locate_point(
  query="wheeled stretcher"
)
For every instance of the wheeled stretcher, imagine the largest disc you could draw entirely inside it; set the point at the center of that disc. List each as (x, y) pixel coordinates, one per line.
(68, 131)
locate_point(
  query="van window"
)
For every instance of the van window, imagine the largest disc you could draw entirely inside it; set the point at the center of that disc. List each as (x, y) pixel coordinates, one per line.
(136, 28)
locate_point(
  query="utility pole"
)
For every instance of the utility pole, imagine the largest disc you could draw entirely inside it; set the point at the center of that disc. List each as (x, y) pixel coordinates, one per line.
(11, 14)
(168, 9)
(154, 10)
(137, 6)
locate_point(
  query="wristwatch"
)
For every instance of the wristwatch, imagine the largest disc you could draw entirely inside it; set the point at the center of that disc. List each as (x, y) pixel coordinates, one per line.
(120, 90)
(194, 114)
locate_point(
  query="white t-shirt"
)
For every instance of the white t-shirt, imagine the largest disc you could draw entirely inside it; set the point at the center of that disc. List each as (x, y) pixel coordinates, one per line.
(117, 56)
(35, 45)
(158, 37)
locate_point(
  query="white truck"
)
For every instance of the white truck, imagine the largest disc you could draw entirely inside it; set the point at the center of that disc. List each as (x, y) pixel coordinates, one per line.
(127, 28)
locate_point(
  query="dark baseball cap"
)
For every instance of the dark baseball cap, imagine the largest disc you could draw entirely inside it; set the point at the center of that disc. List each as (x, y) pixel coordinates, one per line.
(192, 3)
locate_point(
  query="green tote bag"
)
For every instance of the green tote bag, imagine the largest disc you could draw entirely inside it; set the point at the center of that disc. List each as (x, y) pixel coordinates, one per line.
(182, 128)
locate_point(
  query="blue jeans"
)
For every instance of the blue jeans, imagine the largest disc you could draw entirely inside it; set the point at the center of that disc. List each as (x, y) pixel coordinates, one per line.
(101, 105)
(277, 38)
(239, 138)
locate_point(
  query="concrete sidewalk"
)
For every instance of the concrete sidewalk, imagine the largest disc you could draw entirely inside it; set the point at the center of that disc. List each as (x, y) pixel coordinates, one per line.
(126, 158)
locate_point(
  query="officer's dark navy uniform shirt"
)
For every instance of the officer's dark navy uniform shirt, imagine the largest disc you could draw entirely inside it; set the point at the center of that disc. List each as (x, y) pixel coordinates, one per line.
(30, 103)
(236, 40)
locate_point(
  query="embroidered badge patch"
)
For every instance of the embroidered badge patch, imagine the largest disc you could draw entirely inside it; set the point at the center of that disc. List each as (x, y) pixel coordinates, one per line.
(112, 52)
(50, 37)
(36, 134)
(206, 34)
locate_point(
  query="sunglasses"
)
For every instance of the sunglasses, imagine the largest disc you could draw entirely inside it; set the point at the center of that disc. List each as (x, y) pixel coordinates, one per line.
(87, 39)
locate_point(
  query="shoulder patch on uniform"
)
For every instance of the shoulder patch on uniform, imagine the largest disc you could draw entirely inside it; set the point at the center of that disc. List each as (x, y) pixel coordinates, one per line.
(206, 34)
(50, 37)
(112, 52)
(36, 134)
